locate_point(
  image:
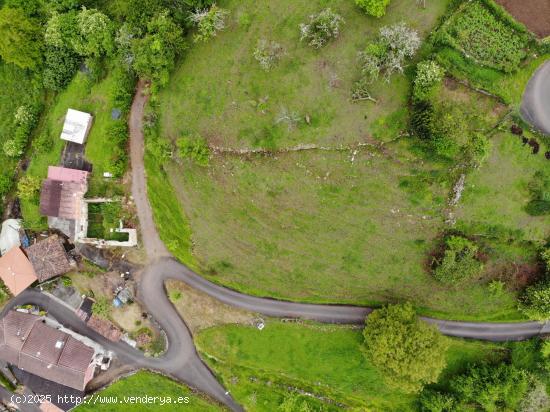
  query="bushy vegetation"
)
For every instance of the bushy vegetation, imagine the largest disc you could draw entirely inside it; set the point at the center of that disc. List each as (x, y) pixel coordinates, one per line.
(535, 302)
(427, 80)
(376, 8)
(459, 261)
(407, 352)
(195, 148)
(209, 22)
(321, 28)
(484, 37)
(268, 53)
(539, 188)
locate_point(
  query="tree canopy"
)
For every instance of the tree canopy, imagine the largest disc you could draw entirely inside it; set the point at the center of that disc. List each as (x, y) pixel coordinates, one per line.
(408, 353)
(20, 38)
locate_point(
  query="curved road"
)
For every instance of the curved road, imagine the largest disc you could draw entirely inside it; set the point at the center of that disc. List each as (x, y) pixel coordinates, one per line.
(181, 360)
(535, 106)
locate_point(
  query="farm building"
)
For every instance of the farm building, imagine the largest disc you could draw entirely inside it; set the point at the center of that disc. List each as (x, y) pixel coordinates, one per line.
(28, 343)
(49, 258)
(16, 271)
(76, 127)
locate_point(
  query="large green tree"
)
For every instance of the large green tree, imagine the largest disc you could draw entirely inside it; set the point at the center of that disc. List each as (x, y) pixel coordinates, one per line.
(408, 352)
(20, 38)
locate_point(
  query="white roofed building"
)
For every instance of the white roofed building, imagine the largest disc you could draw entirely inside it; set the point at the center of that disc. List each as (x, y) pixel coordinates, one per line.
(76, 127)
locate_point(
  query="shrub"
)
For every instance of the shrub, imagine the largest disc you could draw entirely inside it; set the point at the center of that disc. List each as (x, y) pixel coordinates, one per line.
(433, 401)
(60, 66)
(209, 22)
(395, 44)
(535, 301)
(459, 261)
(28, 187)
(43, 143)
(477, 149)
(422, 119)
(122, 91)
(6, 182)
(321, 28)
(428, 77)
(194, 148)
(268, 53)
(491, 387)
(376, 8)
(408, 352)
(13, 148)
(539, 188)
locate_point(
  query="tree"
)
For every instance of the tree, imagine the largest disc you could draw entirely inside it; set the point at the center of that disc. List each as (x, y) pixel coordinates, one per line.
(407, 352)
(395, 44)
(376, 8)
(209, 22)
(491, 387)
(95, 34)
(20, 38)
(321, 28)
(60, 65)
(28, 187)
(154, 55)
(459, 261)
(428, 76)
(535, 301)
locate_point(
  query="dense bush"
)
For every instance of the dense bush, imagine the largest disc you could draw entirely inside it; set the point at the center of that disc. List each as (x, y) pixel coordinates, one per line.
(491, 387)
(118, 133)
(20, 38)
(433, 401)
(484, 37)
(209, 22)
(422, 119)
(459, 261)
(535, 301)
(408, 352)
(122, 90)
(387, 55)
(476, 150)
(376, 8)
(25, 119)
(28, 187)
(195, 148)
(321, 28)
(60, 65)
(428, 77)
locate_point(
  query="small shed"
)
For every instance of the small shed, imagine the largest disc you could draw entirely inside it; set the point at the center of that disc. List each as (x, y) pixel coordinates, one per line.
(16, 271)
(77, 126)
(49, 258)
(10, 235)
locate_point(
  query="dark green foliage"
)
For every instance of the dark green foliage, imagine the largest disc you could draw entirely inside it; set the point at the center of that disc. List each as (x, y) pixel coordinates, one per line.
(422, 119)
(60, 65)
(491, 387)
(476, 31)
(155, 53)
(118, 133)
(408, 352)
(459, 261)
(123, 89)
(6, 182)
(477, 149)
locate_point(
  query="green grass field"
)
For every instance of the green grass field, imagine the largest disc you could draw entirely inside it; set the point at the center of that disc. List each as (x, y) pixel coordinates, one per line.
(497, 193)
(352, 225)
(82, 95)
(220, 92)
(261, 367)
(144, 383)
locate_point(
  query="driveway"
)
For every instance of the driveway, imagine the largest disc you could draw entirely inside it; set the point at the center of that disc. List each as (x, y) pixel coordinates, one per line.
(535, 107)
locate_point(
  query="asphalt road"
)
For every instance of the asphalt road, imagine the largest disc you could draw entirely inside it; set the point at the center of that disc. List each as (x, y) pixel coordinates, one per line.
(535, 107)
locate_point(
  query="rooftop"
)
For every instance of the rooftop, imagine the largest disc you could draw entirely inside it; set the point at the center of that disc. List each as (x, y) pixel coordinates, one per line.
(64, 174)
(61, 199)
(16, 271)
(76, 127)
(49, 258)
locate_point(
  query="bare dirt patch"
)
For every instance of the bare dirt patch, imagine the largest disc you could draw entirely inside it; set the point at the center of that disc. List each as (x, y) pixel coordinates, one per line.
(535, 14)
(200, 311)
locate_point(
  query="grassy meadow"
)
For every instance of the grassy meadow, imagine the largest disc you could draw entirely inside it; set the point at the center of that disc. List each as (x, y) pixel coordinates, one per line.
(261, 367)
(144, 383)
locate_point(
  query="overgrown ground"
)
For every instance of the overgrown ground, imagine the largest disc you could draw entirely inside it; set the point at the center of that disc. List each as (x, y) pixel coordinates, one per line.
(349, 224)
(85, 95)
(145, 383)
(260, 368)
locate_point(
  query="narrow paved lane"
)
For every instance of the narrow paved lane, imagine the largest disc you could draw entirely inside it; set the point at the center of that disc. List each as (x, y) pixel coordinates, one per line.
(535, 107)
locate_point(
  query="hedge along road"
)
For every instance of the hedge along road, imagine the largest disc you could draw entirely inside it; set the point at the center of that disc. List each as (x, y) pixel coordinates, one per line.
(181, 359)
(535, 106)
